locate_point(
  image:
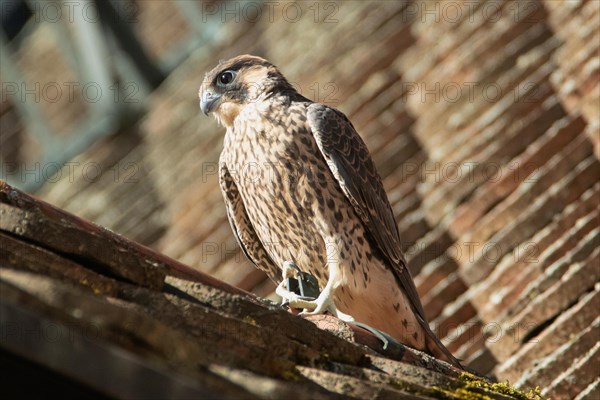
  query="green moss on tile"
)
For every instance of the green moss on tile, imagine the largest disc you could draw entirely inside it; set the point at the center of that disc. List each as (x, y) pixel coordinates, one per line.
(473, 382)
(292, 376)
(468, 387)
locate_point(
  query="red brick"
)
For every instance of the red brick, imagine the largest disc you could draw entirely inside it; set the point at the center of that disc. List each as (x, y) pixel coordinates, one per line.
(592, 392)
(565, 386)
(574, 320)
(561, 359)
(537, 154)
(536, 216)
(509, 287)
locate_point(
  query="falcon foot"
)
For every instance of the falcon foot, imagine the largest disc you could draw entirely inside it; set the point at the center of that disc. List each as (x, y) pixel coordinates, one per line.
(296, 289)
(381, 335)
(301, 290)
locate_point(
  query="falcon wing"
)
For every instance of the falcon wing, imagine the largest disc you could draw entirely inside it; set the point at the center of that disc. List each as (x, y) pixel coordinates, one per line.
(242, 226)
(351, 164)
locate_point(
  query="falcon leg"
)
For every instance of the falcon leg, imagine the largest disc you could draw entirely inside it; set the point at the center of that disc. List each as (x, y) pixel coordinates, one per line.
(343, 316)
(323, 303)
(290, 270)
(379, 334)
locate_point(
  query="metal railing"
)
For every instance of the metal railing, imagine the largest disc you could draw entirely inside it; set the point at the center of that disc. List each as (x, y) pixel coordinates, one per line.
(102, 53)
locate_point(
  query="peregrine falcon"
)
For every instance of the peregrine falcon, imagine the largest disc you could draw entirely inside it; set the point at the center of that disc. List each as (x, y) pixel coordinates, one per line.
(302, 192)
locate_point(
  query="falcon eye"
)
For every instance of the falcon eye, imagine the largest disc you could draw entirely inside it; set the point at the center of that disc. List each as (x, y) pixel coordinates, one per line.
(226, 77)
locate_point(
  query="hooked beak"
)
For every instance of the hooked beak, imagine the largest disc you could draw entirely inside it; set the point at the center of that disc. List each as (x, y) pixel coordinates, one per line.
(209, 101)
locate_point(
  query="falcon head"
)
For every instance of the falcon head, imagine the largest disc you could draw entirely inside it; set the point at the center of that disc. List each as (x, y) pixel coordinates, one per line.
(236, 83)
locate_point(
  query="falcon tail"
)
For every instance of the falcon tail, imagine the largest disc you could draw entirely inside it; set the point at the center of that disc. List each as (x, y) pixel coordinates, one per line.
(436, 348)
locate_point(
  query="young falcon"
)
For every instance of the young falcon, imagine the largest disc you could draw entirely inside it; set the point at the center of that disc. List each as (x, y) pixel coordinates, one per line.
(301, 189)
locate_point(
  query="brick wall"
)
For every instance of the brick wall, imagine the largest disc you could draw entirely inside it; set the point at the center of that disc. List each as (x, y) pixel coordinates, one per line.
(483, 123)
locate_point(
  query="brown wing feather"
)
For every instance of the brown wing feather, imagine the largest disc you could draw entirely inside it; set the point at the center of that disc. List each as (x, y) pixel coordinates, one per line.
(242, 226)
(351, 164)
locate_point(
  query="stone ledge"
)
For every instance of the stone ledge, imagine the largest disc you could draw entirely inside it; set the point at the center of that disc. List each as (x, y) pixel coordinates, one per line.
(180, 333)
